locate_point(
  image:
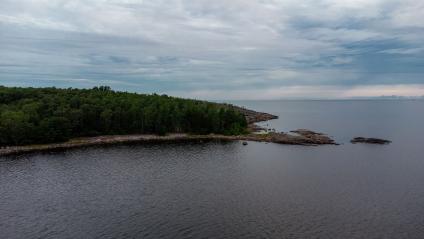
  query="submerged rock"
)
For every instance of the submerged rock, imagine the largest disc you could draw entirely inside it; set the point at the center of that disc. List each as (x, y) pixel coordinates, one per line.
(369, 140)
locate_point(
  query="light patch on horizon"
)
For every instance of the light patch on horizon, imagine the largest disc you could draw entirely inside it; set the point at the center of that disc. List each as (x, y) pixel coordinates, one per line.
(309, 92)
(254, 49)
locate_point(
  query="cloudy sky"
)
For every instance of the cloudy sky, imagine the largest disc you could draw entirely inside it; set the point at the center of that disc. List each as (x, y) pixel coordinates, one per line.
(221, 49)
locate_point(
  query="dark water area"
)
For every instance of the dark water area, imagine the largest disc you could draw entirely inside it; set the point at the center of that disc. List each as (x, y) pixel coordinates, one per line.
(227, 190)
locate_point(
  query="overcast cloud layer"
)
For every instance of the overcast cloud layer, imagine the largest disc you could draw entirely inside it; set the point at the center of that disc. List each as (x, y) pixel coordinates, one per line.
(221, 49)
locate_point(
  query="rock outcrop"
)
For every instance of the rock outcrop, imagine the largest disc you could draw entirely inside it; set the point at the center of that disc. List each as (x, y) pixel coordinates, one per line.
(369, 140)
(253, 116)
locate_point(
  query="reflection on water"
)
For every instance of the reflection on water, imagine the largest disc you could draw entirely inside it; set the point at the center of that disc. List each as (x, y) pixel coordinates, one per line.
(227, 190)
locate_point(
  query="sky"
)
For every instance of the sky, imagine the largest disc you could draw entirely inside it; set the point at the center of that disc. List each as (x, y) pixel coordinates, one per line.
(221, 49)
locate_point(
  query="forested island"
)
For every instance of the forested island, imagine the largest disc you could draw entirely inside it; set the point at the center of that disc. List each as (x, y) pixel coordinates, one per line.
(48, 115)
(45, 119)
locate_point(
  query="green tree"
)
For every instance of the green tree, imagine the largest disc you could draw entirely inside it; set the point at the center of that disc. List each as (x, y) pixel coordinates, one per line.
(41, 115)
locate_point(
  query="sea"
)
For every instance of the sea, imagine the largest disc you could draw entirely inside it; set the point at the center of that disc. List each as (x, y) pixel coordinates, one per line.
(228, 190)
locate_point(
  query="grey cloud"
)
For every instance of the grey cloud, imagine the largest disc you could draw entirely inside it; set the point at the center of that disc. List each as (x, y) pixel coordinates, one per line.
(166, 45)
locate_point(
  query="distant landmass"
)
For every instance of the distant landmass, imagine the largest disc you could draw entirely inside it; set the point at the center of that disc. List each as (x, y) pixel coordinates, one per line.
(390, 97)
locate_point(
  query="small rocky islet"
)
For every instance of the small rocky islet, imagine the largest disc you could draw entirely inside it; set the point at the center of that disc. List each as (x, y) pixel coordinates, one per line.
(364, 140)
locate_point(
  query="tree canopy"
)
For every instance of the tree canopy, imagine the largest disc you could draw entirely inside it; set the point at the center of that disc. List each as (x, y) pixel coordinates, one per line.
(46, 115)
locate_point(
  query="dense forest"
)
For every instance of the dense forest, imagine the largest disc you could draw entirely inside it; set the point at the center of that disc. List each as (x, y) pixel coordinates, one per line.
(45, 115)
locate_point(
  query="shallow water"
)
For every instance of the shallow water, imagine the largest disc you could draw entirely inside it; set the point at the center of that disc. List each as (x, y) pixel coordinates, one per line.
(226, 190)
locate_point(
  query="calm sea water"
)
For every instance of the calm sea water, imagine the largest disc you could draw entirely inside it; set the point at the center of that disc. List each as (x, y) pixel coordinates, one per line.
(226, 190)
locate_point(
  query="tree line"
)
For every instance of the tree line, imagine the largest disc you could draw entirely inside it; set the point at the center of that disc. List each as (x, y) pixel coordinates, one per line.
(46, 115)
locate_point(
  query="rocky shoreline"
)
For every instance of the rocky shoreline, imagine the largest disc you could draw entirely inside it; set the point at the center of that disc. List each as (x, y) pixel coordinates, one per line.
(302, 137)
(253, 116)
(297, 137)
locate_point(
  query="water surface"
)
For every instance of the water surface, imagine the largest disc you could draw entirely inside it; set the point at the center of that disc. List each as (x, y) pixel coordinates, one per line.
(226, 190)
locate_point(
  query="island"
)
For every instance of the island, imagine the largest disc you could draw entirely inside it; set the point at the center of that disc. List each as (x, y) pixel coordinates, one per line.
(43, 119)
(369, 140)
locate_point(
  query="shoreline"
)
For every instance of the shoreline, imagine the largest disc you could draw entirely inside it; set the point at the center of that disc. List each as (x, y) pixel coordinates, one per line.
(301, 137)
(297, 137)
